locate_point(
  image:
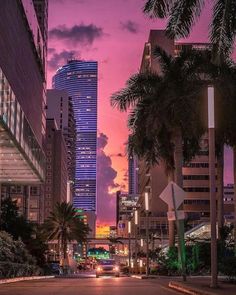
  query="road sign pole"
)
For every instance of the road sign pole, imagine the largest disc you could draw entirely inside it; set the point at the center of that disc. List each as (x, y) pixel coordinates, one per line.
(180, 232)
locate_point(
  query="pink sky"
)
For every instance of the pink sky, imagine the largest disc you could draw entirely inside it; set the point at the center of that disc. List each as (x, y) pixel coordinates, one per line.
(118, 33)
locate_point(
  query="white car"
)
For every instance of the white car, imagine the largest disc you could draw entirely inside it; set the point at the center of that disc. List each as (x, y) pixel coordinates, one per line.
(107, 267)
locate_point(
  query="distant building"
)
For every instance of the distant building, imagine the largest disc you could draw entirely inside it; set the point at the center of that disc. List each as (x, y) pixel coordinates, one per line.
(133, 175)
(79, 78)
(102, 231)
(60, 108)
(229, 211)
(56, 168)
(126, 205)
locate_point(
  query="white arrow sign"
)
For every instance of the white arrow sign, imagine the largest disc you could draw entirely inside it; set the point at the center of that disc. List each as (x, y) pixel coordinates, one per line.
(167, 196)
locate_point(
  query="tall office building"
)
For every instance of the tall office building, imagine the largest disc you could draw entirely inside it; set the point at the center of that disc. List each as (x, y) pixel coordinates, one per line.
(79, 79)
(22, 103)
(133, 175)
(60, 108)
(195, 173)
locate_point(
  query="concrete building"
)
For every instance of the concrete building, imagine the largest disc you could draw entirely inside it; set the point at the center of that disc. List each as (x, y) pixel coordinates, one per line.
(56, 167)
(229, 203)
(195, 173)
(22, 103)
(125, 206)
(59, 107)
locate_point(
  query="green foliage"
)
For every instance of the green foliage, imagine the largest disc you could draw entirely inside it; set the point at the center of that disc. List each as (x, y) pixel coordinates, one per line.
(228, 268)
(19, 228)
(64, 226)
(15, 260)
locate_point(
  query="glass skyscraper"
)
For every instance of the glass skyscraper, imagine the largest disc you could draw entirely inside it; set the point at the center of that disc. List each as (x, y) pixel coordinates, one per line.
(79, 79)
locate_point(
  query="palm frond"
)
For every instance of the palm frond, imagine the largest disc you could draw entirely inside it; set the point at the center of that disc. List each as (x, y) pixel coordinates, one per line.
(137, 87)
(223, 29)
(163, 57)
(158, 8)
(183, 16)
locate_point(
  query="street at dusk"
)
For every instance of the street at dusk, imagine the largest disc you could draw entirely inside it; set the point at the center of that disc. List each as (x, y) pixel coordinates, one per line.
(117, 147)
(101, 286)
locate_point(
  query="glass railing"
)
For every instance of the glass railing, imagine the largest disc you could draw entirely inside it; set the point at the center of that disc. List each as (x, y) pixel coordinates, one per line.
(14, 121)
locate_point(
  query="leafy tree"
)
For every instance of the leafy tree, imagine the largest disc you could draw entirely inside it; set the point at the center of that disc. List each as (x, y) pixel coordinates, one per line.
(15, 259)
(64, 226)
(19, 228)
(182, 15)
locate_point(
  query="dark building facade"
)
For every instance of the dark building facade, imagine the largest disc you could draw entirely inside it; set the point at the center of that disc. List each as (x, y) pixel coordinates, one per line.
(56, 167)
(59, 107)
(22, 105)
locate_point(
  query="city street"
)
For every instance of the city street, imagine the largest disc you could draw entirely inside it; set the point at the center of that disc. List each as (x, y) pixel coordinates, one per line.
(88, 286)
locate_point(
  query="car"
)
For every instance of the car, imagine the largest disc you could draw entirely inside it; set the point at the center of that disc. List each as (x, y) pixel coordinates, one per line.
(107, 267)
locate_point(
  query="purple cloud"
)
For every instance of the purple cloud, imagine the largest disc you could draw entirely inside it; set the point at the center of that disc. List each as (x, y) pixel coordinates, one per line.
(106, 180)
(79, 34)
(59, 59)
(130, 26)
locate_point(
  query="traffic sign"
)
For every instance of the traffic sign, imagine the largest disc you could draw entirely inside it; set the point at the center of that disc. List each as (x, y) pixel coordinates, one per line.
(167, 195)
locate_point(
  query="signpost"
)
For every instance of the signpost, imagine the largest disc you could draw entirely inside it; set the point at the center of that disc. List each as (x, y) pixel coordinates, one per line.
(173, 195)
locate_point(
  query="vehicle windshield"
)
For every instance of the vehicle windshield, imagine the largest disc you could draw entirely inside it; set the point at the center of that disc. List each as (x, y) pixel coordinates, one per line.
(106, 262)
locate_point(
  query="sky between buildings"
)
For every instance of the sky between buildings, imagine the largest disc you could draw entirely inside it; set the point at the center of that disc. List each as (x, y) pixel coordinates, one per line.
(113, 32)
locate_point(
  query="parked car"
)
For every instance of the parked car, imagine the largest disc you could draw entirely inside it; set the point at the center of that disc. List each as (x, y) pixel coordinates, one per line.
(107, 267)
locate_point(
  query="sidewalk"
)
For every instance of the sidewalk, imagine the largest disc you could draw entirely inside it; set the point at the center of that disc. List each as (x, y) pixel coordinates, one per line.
(201, 286)
(19, 279)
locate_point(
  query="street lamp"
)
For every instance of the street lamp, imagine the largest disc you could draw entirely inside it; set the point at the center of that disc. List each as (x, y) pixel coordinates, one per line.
(141, 242)
(146, 196)
(129, 233)
(135, 243)
(211, 138)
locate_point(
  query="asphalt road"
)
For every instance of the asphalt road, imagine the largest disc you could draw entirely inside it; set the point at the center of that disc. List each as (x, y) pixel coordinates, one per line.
(88, 286)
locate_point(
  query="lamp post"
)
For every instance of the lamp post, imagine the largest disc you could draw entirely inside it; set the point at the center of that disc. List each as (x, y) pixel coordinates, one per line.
(129, 234)
(211, 138)
(136, 248)
(147, 231)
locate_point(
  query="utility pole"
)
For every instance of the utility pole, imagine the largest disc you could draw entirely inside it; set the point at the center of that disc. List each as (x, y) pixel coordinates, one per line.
(211, 138)
(147, 231)
(136, 248)
(129, 234)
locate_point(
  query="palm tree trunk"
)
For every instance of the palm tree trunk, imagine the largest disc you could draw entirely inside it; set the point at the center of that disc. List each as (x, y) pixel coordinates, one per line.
(234, 151)
(178, 157)
(220, 191)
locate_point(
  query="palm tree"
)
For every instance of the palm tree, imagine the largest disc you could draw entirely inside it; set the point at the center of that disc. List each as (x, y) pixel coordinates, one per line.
(165, 121)
(64, 225)
(182, 15)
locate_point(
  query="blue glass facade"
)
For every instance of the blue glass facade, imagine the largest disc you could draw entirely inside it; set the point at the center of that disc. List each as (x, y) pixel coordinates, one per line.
(79, 79)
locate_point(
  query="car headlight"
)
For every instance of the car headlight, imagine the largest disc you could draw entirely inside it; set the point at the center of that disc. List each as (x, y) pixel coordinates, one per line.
(116, 268)
(99, 268)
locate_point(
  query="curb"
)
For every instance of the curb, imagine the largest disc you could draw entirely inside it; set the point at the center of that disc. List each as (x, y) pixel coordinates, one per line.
(143, 277)
(14, 280)
(187, 289)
